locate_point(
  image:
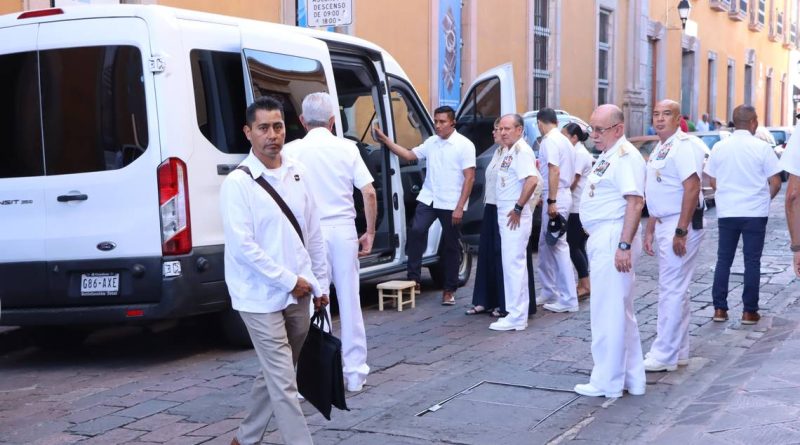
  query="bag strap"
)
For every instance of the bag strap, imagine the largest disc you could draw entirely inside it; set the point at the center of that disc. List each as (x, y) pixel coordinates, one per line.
(320, 319)
(278, 200)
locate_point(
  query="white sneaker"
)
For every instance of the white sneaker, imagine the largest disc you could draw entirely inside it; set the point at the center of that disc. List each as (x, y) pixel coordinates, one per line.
(502, 324)
(653, 365)
(587, 389)
(556, 307)
(354, 388)
(683, 362)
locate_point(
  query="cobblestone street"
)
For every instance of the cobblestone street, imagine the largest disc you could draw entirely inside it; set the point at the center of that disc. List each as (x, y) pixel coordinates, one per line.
(179, 386)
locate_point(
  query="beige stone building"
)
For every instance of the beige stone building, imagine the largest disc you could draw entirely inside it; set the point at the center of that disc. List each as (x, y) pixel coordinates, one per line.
(572, 54)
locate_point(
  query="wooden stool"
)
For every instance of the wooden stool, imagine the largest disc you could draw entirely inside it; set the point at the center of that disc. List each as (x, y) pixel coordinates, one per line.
(396, 289)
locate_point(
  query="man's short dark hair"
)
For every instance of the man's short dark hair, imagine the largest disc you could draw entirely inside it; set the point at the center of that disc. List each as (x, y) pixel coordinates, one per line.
(547, 115)
(265, 103)
(446, 109)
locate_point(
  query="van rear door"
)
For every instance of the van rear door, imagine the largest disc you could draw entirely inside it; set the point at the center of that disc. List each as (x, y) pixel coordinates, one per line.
(22, 208)
(491, 95)
(101, 145)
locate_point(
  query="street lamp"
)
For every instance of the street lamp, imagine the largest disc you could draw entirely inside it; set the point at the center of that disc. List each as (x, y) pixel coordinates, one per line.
(684, 7)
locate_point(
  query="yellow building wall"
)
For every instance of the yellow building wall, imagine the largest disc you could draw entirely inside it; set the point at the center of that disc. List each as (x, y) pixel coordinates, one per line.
(729, 39)
(9, 6)
(267, 10)
(404, 32)
(502, 37)
(577, 91)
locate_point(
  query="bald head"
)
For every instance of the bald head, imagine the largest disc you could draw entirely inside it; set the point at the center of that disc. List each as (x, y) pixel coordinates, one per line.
(745, 118)
(608, 126)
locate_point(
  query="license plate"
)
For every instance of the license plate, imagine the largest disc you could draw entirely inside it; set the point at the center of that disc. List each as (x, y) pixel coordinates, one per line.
(171, 269)
(99, 284)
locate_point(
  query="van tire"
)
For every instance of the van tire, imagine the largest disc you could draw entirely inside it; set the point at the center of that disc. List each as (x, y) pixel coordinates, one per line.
(234, 332)
(464, 267)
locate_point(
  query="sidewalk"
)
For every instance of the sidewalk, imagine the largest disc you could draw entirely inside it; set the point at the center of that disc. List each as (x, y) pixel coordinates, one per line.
(741, 386)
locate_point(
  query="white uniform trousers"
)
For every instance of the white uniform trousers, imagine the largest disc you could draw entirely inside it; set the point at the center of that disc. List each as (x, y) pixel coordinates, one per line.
(555, 265)
(277, 339)
(674, 276)
(616, 347)
(341, 242)
(513, 245)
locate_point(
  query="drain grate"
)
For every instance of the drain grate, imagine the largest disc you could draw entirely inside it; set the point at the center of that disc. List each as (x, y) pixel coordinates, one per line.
(439, 405)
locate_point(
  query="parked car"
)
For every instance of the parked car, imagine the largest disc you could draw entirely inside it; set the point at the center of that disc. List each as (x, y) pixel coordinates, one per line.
(781, 135)
(120, 119)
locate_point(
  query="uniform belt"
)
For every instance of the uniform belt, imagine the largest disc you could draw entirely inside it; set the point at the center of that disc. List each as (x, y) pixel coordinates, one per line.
(660, 220)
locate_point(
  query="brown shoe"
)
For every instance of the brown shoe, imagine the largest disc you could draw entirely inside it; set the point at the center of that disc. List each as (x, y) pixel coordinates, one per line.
(235, 441)
(448, 298)
(750, 317)
(720, 315)
(417, 288)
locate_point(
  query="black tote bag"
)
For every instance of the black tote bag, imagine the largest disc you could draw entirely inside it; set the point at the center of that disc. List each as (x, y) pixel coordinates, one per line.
(319, 369)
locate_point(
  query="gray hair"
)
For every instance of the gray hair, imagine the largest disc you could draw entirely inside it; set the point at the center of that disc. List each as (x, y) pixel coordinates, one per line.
(317, 109)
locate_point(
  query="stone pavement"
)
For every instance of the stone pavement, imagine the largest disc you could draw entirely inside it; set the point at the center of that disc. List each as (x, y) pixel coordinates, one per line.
(178, 387)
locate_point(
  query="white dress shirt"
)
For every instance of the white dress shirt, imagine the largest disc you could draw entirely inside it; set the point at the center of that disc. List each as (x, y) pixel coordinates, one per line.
(742, 164)
(671, 163)
(618, 172)
(263, 254)
(583, 167)
(335, 167)
(556, 149)
(515, 165)
(490, 192)
(444, 177)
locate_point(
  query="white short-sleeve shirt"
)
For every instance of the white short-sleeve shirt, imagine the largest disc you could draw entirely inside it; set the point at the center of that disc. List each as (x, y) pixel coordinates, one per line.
(333, 167)
(446, 161)
(742, 165)
(671, 163)
(790, 159)
(618, 172)
(515, 165)
(556, 149)
(489, 196)
(583, 166)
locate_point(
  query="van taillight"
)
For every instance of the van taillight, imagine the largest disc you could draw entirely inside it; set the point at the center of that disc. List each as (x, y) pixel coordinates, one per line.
(173, 199)
(40, 13)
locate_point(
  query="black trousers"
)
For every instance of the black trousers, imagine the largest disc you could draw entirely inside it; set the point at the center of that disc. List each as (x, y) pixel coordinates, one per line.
(489, 290)
(576, 238)
(424, 216)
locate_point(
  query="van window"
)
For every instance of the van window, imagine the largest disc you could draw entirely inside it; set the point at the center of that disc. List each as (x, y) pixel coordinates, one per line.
(480, 109)
(288, 79)
(409, 126)
(93, 108)
(20, 123)
(219, 98)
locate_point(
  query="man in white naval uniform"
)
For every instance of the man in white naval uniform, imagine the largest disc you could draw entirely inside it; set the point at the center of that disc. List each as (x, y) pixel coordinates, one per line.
(790, 163)
(673, 193)
(557, 167)
(515, 184)
(334, 167)
(611, 207)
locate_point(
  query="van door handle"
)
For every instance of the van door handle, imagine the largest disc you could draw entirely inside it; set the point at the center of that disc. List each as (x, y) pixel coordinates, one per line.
(224, 169)
(68, 198)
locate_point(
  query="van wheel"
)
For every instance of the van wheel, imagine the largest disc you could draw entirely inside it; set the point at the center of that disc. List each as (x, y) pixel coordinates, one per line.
(233, 329)
(52, 338)
(464, 267)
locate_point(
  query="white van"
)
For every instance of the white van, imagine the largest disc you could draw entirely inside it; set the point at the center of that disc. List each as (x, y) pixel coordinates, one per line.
(119, 125)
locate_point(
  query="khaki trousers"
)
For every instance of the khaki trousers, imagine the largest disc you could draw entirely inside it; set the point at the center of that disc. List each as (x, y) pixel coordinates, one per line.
(277, 338)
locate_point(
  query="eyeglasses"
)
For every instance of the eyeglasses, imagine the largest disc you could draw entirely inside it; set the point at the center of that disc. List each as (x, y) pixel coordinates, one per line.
(601, 131)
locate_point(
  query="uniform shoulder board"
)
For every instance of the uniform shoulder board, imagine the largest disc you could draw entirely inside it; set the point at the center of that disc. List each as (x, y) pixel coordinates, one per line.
(624, 150)
(682, 136)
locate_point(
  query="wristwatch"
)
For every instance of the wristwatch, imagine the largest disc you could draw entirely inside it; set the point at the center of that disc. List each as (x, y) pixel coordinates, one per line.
(795, 247)
(624, 246)
(681, 232)
(551, 201)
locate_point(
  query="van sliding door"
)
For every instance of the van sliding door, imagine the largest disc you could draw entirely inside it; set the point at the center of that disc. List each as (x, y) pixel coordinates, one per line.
(361, 87)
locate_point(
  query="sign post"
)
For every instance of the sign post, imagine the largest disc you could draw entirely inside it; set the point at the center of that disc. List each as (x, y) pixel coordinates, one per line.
(321, 13)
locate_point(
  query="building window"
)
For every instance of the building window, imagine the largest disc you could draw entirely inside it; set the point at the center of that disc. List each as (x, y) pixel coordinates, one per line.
(743, 5)
(762, 12)
(603, 56)
(779, 24)
(730, 95)
(541, 40)
(712, 88)
(748, 84)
